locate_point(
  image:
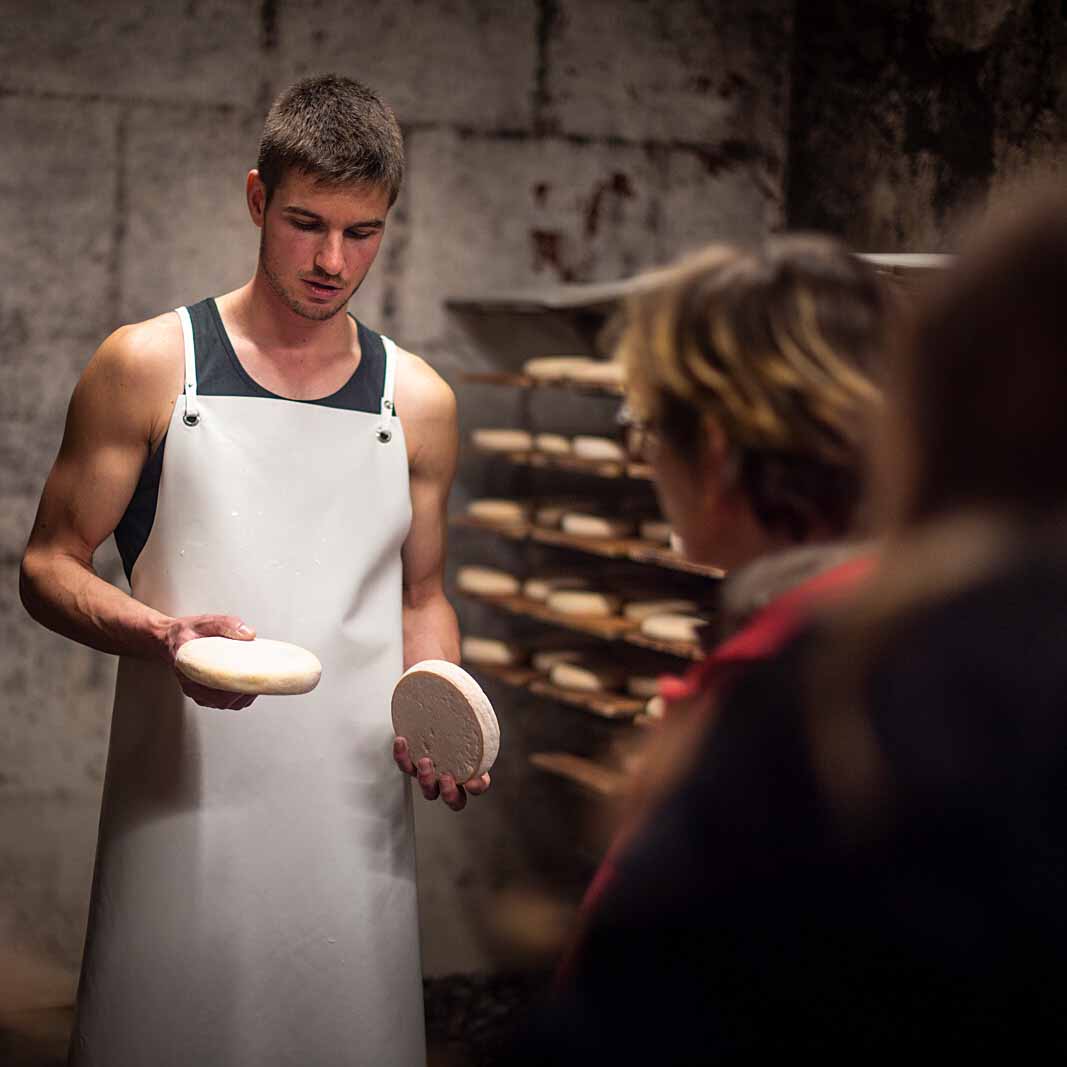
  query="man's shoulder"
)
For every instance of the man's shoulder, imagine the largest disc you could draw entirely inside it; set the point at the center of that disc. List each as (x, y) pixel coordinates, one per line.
(152, 345)
(421, 391)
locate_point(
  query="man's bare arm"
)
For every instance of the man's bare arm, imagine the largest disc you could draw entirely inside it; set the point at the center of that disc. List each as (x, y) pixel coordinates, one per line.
(430, 627)
(120, 409)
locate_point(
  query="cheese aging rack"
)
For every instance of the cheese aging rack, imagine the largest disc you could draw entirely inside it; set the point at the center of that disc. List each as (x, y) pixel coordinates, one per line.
(585, 309)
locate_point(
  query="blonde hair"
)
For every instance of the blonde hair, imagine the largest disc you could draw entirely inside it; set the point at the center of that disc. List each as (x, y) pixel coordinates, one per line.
(780, 344)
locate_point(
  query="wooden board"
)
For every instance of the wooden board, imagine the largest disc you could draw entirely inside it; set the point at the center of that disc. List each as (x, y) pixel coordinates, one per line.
(608, 547)
(606, 705)
(681, 649)
(515, 531)
(662, 556)
(593, 777)
(519, 677)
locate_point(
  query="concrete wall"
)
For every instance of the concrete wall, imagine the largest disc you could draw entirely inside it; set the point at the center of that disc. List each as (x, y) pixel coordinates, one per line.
(559, 140)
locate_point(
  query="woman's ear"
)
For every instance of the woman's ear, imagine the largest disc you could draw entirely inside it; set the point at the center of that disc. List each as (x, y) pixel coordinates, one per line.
(718, 457)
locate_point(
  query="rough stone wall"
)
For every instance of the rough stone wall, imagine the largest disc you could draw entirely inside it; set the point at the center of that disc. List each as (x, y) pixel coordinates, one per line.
(548, 140)
(907, 116)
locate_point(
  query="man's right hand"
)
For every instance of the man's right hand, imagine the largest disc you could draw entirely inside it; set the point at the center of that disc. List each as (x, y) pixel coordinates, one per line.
(191, 627)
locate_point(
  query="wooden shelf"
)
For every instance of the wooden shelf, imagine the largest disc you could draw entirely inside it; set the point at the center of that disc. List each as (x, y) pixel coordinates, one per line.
(611, 628)
(605, 705)
(633, 549)
(524, 381)
(593, 777)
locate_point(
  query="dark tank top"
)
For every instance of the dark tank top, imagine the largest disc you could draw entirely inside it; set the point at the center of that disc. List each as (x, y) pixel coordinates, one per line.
(219, 373)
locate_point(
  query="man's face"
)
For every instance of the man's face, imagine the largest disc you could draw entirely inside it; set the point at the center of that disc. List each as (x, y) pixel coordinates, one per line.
(319, 241)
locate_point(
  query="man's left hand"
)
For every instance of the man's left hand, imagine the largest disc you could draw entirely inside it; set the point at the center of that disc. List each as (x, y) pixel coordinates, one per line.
(445, 787)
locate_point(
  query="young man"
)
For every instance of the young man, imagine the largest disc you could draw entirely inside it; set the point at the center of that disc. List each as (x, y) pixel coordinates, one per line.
(267, 464)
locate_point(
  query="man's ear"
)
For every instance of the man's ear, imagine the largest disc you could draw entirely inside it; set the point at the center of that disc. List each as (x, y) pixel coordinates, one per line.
(256, 196)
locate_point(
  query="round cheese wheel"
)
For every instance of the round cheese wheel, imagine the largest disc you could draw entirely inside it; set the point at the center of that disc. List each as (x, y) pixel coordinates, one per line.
(656, 708)
(489, 650)
(657, 530)
(550, 367)
(545, 660)
(587, 677)
(599, 372)
(583, 525)
(598, 448)
(582, 602)
(643, 609)
(642, 685)
(257, 666)
(554, 444)
(542, 588)
(443, 713)
(503, 440)
(486, 581)
(672, 627)
(510, 512)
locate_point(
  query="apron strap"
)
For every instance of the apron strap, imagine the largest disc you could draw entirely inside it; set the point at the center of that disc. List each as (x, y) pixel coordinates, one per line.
(388, 408)
(192, 410)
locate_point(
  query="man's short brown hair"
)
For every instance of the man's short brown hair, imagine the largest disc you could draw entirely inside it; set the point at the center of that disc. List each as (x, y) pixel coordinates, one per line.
(334, 129)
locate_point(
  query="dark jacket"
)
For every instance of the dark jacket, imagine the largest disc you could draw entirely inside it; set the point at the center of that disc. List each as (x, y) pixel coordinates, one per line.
(747, 920)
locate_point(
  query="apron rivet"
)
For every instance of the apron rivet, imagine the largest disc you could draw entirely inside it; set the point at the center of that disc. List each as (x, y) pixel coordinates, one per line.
(190, 420)
(385, 436)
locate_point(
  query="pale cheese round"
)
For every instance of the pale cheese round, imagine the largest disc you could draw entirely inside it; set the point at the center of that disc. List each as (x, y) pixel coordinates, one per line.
(584, 525)
(656, 530)
(552, 367)
(443, 713)
(541, 588)
(639, 610)
(554, 444)
(490, 651)
(506, 440)
(604, 449)
(487, 581)
(656, 708)
(258, 666)
(643, 685)
(584, 603)
(673, 627)
(545, 660)
(503, 512)
(586, 677)
(599, 372)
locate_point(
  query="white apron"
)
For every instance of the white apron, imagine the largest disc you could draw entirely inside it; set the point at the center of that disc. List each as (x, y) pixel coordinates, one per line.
(254, 895)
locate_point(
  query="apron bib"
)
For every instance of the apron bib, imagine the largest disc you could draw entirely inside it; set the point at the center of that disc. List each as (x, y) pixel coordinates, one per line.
(254, 895)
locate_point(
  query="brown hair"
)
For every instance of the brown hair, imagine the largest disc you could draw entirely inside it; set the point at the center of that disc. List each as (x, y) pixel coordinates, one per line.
(335, 129)
(781, 344)
(972, 467)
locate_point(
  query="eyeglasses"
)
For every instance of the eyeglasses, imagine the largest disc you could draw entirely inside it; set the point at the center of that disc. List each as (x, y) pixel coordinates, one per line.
(642, 434)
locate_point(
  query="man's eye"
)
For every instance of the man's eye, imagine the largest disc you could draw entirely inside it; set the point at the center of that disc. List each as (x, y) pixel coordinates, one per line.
(304, 225)
(361, 235)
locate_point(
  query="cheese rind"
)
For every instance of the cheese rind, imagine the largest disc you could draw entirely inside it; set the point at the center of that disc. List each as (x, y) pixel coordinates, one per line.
(598, 448)
(490, 651)
(555, 444)
(638, 610)
(587, 677)
(656, 530)
(261, 666)
(584, 525)
(505, 440)
(444, 714)
(673, 627)
(487, 581)
(541, 588)
(583, 602)
(503, 512)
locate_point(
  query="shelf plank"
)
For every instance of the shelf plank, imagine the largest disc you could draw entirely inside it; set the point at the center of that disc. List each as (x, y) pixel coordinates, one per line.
(524, 381)
(606, 705)
(633, 549)
(681, 649)
(593, 777)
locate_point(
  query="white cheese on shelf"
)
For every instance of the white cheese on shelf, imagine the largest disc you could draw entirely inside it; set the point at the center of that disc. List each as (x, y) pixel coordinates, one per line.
(487, 581)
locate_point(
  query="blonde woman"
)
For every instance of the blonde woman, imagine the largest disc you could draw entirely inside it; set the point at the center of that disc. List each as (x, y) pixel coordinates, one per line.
(866, 857)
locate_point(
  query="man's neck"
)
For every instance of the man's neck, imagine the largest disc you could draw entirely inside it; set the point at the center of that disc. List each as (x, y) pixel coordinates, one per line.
(261, 314)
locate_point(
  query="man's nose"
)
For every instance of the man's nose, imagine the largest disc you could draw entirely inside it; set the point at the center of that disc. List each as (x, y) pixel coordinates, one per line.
(330, 257)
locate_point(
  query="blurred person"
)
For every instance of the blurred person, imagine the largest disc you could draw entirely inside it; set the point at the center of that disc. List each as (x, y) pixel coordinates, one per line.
(264, 461)
(752, 385)
(867, 856)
